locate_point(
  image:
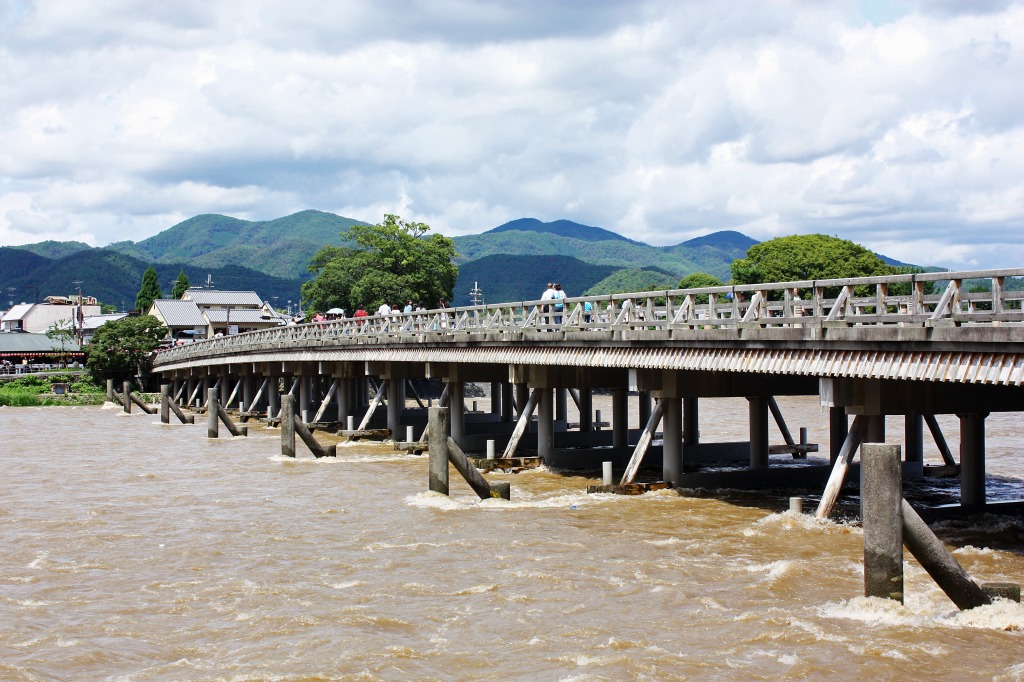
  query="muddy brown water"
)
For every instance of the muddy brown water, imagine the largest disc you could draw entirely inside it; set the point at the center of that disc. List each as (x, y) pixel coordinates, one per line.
(134, 550)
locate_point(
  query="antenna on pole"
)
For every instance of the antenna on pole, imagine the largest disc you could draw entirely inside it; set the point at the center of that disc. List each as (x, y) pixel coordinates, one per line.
(476, 294)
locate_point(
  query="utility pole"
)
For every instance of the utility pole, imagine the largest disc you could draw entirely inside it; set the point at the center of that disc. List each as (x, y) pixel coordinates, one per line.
(79, 322)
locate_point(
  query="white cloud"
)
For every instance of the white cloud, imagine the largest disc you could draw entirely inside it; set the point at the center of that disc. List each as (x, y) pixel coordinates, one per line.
(891, 123)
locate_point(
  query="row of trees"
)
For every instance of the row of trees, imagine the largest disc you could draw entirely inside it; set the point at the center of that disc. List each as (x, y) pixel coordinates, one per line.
(150, 289)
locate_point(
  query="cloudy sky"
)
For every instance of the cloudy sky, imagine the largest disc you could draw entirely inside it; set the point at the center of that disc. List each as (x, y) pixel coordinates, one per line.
(899, 125)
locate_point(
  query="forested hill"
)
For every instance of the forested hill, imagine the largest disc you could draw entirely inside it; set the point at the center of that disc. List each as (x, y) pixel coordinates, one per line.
(712, 253)
(114, 278)
(281, 247)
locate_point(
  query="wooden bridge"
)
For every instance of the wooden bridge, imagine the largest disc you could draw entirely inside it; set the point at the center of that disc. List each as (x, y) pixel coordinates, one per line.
(908, 345)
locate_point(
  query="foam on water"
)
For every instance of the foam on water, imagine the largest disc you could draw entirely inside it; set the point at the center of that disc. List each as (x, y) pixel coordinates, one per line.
(773, 524)
(1002, 614)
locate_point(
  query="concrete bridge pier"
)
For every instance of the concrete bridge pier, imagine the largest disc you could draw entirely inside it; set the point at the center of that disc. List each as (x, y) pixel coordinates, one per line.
(273, 397)
(224, 384)
(875, 429)
(972, 459)
(305, 395)
(545, 423)
(343, 398)
(522, 395)
(913, 446)
(838, 430)
(247, 391)
(495, 394)
(691, 421)
(586, 409)
(561, 404)
(507, 412)
(620, 418)
(672, 435)
(757, 407)
(457, 409)
(645, 404)
(396, 405)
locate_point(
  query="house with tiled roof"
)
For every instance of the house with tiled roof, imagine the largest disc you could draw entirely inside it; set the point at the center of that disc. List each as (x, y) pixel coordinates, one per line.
(205, 313)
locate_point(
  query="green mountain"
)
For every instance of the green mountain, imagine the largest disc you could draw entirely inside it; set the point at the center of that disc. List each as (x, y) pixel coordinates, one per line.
(505, 277)
(281, 248)
(114, 278)
(52, 249)
(625, 281)
(712, 253)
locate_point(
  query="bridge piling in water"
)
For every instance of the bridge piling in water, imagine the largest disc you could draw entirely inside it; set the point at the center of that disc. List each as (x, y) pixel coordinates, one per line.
(865, 356)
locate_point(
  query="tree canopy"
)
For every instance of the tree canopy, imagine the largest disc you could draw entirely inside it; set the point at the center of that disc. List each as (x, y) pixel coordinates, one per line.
(180, 285)
(393, 261)
(120, 349)
(806, 257)
(699, 280)
(149, 291)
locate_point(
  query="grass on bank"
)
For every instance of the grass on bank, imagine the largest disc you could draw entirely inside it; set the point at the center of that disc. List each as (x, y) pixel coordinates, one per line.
(36, 391)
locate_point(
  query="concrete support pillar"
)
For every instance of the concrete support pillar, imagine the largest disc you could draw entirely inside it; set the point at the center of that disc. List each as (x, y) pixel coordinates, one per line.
(561, 405)
(225, 388)
(672, 435)
(972, 459)
(586, 409)
(522, 397)
(691, 421)
(212, 423)
(457, 410)
(273, 397)
(545, 424)
(165, 404)
(620, 418)
(881, 497)
(507, 413)
(287, 424)
(496, 397)
(396, 401)
(758, 409)
(439, 424)
(247, 382)
(913, 446)
(876, 429)
(305, 393)
(343, 393)
(838, 429)
(644, 406)
(126, 390)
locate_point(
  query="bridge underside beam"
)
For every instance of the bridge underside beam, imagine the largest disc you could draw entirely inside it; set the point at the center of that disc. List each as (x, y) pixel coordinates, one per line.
(866, 396)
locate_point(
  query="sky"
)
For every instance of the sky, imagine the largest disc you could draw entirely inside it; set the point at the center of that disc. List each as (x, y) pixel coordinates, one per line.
(898, 125)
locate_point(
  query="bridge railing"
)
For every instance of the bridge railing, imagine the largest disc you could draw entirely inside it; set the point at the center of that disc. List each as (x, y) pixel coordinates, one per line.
(922, 299)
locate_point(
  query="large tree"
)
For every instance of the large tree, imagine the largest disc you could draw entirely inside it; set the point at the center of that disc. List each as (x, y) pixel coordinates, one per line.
(699, 280)
(806, 257)
(392, 261)
(181, 285)
(121, 349)
(149, 291)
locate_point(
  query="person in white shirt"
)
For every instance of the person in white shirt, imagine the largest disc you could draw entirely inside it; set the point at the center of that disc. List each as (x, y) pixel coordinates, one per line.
(384, 309)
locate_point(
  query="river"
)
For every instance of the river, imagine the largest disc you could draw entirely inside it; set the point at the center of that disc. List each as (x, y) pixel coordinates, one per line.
(140, 551)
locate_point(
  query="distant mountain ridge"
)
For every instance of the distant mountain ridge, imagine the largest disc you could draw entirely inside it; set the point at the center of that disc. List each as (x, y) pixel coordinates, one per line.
(281, 247)
(562, 228)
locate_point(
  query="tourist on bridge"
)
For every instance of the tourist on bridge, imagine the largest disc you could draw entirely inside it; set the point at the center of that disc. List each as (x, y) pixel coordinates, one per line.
(559, 296)
(360, 315)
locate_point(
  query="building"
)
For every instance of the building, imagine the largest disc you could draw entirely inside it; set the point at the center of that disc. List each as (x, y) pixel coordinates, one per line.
(36, 318)
(205, 313)
(18, 351)
(94, 322)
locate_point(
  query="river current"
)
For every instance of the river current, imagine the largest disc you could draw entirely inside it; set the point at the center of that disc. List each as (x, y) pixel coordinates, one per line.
(134, 550)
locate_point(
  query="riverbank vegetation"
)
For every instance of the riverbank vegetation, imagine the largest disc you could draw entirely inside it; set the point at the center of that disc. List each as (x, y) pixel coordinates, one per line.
(38, 390)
